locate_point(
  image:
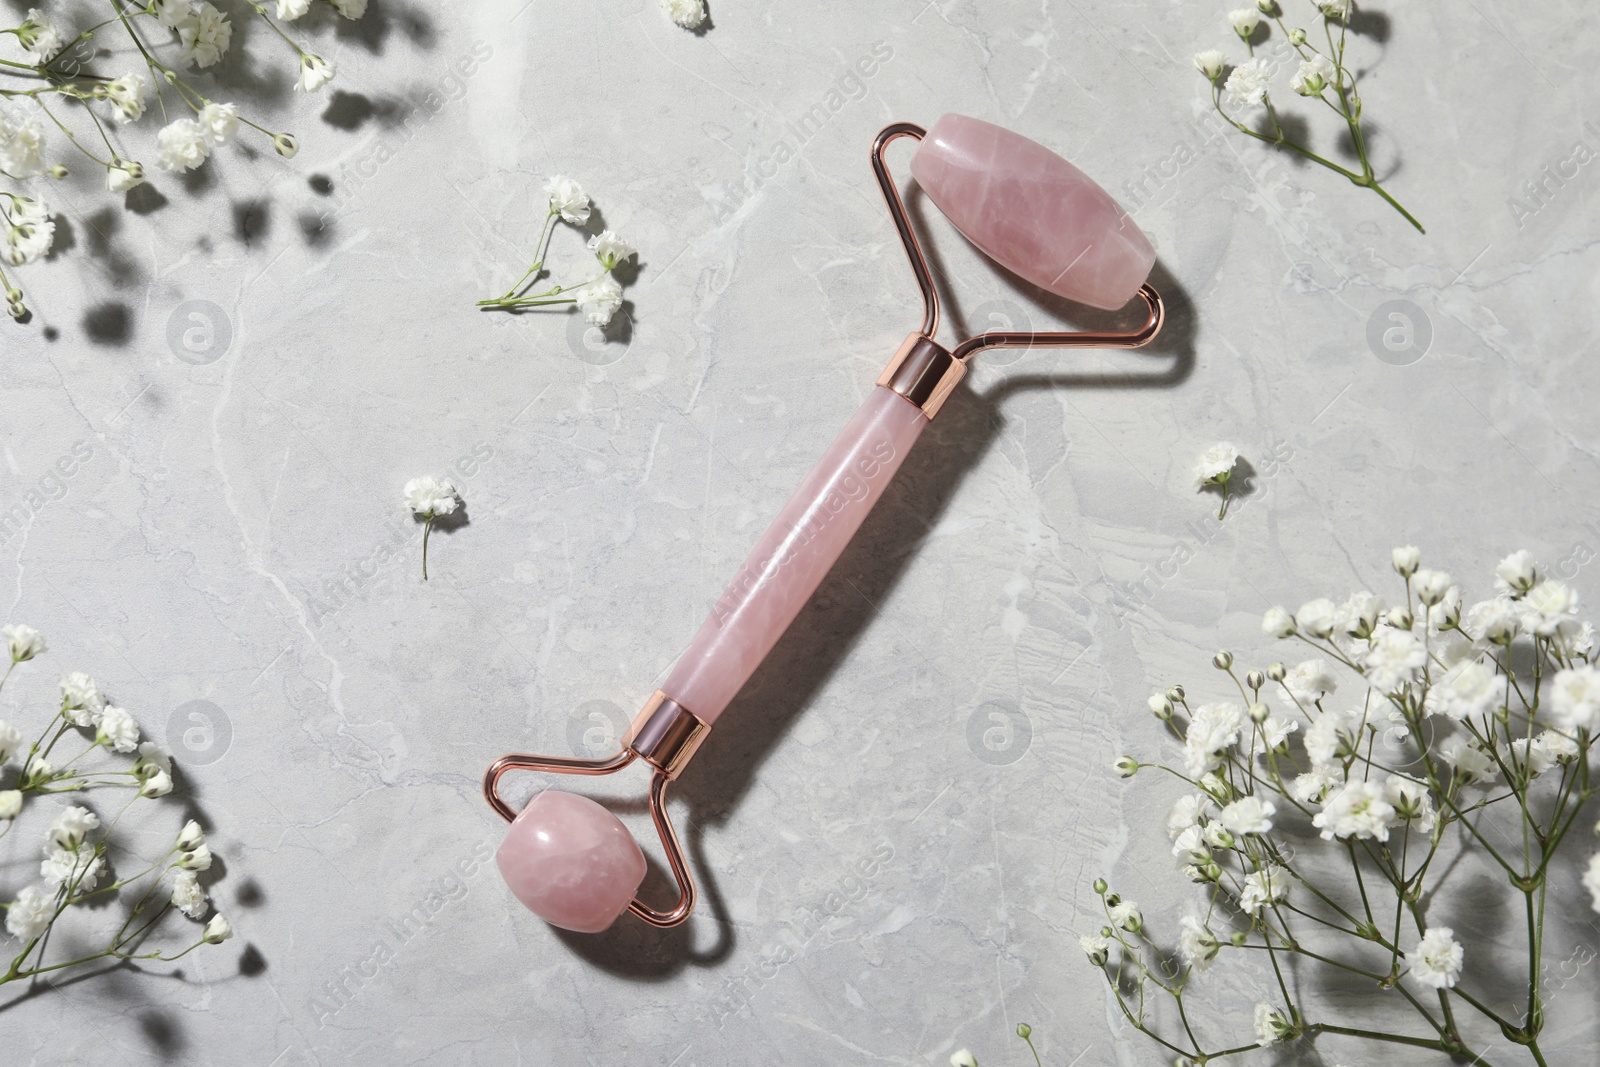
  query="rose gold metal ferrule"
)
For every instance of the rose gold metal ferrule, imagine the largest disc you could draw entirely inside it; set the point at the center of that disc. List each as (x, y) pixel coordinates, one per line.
(665, 734)
(926, 373)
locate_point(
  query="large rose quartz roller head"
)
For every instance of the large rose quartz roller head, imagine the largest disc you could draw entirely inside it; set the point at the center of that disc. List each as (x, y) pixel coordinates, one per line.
(570, 860)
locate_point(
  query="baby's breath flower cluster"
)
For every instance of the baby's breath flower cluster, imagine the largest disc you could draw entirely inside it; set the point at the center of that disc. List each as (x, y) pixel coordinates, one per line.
(690, 14)
(599, 297)
(1215, 468)
(428, 498)
(1316, 844)
(1320, 74)
(166, 42)
(78, 846)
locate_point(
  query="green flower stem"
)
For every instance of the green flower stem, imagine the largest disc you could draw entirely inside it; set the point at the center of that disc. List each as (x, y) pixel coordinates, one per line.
(427, 528)
(539, 248)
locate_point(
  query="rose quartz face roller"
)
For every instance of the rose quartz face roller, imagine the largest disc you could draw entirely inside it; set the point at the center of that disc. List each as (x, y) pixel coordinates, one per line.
(573, 862)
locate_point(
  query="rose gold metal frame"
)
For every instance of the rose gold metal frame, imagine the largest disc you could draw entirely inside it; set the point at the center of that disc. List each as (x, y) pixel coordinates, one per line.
(664, 734)
(925, 372)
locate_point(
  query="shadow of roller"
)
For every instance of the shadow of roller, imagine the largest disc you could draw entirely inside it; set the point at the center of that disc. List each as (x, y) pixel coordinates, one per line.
(1064, 241)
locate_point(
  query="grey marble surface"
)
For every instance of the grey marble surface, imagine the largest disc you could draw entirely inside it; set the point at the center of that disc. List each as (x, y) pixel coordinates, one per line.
(897, 823)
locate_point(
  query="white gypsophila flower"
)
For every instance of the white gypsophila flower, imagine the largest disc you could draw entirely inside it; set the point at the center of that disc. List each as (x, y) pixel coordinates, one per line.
(1247, 83)
(218, 121)
(1333, 736)
(29, 236)
(1591, 880)
(1212, 729)
(24, 641)
(10, 742)
(205, 35)
(172, 13)
(1436, 960)
(1394, 659)
(315, 72)
(21, 145)
(1516, 573)
(10, 804)
(71, 826)
(1467, 690)
(191, 836)
(1550, 608)
(37, 770)
(1277, 623)
(1269, 1023)
(31, 913)
(963, 1058)
(1412, 803)
(429, 497)
(153, 760)
(289, 10)
(1579, 642)
(187, 896)
(1097, 948)
(1217, 836)
(568, 200)
(1248, 815)
(686, 13)
(197, 858)
(1493, 621)
(1186, 811)
(1313, 786)
(1210, 63)
(1406, 560)
(117, 729)
(1334, 9)
(1190, 844)
(182, 145)
(610, 249)
(80, 871)
(218, 930)
(1575, 698)
(1126, 915)
(350, 9)
(157, 785)
(39, 37)
(1431, 585)
(1310, 680)
(285, 144)
(124, 176)
(1358, 616)
(1470, 761)
(1196, 945)
(1215, 464)
(1314, 75)
(1244, 20)
(1270, 885)
(1275, 731)
(1356, 809)
(1317, 617)
(1447, 612)
(1533, 755)
(1558, 746)
(127, 96)
(81, 698)
(599, 300)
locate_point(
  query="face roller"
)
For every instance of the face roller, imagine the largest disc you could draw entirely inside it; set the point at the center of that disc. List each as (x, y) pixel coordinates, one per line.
(573, 862)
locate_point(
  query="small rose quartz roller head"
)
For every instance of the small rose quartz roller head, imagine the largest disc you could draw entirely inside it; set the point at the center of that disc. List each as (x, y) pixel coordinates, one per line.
(573, 862)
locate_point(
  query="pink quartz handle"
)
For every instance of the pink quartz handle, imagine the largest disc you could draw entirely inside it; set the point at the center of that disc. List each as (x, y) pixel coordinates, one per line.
(790, 560)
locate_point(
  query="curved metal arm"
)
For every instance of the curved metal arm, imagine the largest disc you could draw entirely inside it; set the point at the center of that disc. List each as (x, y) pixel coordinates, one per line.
(680, 867)
(518, 761)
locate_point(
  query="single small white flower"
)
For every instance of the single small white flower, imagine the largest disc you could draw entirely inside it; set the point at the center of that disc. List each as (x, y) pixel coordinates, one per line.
(285, 144)
(1469, 689)
(1271, 1027)
(172, 13)
(1317, 617)
(1334, 9)
(187, 896)
(1358, 616)
(1188, 811)
(610, 249)
(72, 825)
(31, 914)
(1436, 960)
(430, 497)
(1217, 836)
(197, 858)
(1310, 680)
(1557, 746)
(1432, 586)
(1314, 75)
(25, 642)
(315, 72)
(153, 760)
(124, 175)
(1406, 559)
(217, 930)
(182, 145)
(205, 34)
(1275, 731)
(1126, 915)
(1270, 885)
(1394, 660)
(1215, 464)
(1277, 623)
(686, 13)
(350, 9)
(37, 771)
(1213, 729)
(599, 300)
(127, 96)
(1412, 803)
(289, 10)
(191, 836)
(1097, 948)
(1591, 880)
(1357, 809)
(157, 785)
(117, 729)
(10, 742)
(21, 145)
(81, 699)
(1517, 573)
(1550, 608)
(1575, 699)
(29, 236)
(1313, 786)
(1532, 755)
(1471, 763)
(1247, 83)
(1244, 20)
(1190, 844)
(39, 37)
(1210, 63)
(1248, 815)
(1494, 621)
(1197, 945)
(10, 803)
(567, 199)
(218, 122)
(1333, 737)
(81, 870)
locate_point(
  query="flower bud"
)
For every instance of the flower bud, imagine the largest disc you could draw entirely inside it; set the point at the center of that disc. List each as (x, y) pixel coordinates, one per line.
(10, 804)
(58, 170)
(217, 930)
(1259, 713)
(1106, 931)
(197, 859)
(285, 144)
(1269, 8)
(1126, 766)
(1210, 63)
(1160, 706)
(1277, 672)
(157, 785)
(1239, 938)
(1277, 623)
(1297, 36)
(1222, 660)
(1399, 618)
(1100, 886)
(191, 836)
(1176, 693)
(1112, 900)
(1245, 20)
(1024, 1031)
(1255, 679)
(16, 308)
(1406, 558)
